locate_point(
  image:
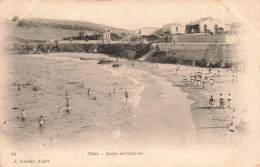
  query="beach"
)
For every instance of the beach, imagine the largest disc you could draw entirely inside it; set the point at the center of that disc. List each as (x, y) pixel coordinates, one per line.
(163, 111)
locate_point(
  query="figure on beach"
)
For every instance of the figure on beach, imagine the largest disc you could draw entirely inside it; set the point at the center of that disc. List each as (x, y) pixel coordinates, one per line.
(41, 121)
(23, 114)
(126, 95)
(94, 98)
(222, 101)
(156, 65)
(232, 127)
(211, 102)
(229, 101)
(209, 70)
(88, 91)
(193, 64)
(212, 80)
(204, 82)
(192, 78)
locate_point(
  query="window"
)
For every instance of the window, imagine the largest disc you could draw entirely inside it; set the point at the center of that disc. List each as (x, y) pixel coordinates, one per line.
(176, 29)
(205, 27)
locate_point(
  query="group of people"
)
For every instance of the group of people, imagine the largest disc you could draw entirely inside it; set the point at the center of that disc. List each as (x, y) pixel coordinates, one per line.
(41, 119)
(222, 101)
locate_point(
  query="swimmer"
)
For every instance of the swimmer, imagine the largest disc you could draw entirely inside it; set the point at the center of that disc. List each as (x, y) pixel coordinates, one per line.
(82, 85)
(68, 107)
(59, 110)
(88, 91)
(41, 121)
(23, 114)
(19, 88)
(126, 96)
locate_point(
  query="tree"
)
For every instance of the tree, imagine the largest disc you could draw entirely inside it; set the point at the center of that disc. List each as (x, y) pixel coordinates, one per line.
(15, 18)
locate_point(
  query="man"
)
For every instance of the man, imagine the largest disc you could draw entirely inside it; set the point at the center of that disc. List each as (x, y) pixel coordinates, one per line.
(211, 102)
(222, 101)
(192, 78)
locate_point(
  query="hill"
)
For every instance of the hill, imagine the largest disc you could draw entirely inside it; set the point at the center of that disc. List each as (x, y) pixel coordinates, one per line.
(47, 29)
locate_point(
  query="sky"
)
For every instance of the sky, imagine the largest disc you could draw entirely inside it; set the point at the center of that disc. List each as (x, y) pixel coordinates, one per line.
(122, 14)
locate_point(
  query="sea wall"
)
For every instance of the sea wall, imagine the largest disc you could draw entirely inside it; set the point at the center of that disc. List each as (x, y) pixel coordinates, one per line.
(198, 39)
(215, 54)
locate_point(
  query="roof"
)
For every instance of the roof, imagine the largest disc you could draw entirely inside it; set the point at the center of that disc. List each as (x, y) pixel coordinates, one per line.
(173, 24)
(201, 20)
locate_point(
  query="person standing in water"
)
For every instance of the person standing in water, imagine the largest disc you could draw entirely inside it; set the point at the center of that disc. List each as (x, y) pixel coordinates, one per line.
(126, 95)
(68, 107)
(41, 121)
(19, 88)
(114, 91)
(23, 114)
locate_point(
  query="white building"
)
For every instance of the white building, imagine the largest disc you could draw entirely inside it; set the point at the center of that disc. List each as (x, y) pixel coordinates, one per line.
(204, 25)
(174, 28)
(103, 37)
(145, 31)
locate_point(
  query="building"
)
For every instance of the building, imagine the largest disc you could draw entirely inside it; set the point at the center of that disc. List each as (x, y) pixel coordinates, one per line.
(88, 33)
(103, 37)
(204, 25)
(145, 31)
(174, 28)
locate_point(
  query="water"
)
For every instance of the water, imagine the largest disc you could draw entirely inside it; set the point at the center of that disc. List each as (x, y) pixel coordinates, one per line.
(155, 111)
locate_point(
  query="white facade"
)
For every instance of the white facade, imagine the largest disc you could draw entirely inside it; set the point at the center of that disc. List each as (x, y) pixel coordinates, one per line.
(210, 24)
(174, 28)
(145, 31)
(204, 25)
